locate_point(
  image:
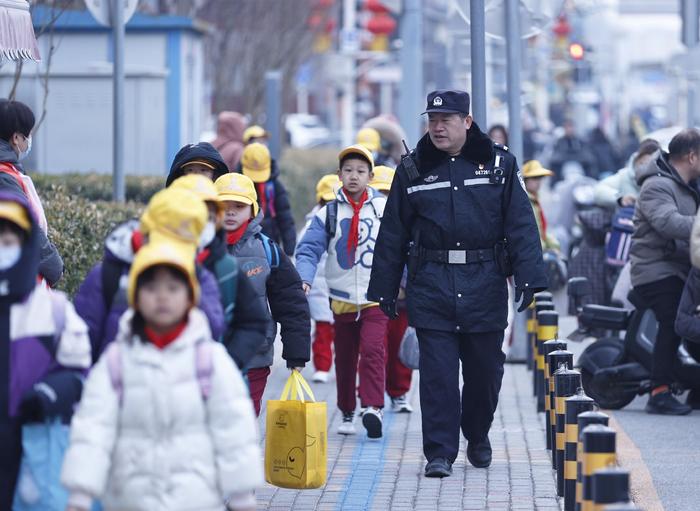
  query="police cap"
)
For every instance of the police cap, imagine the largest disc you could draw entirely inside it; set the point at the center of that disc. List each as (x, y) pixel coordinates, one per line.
(448, 101)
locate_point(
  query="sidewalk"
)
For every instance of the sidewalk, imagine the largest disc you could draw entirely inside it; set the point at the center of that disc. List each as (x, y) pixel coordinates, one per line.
(387, 474)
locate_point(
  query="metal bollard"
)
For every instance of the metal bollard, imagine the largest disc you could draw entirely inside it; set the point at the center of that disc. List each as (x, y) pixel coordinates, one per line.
(557, 359)
(547, 348)
(585, 419)
(531, 336)
(598, 452)
(575, 405)
(539, 307)
(610, 486)
(547, 328)
(544, 296)
(566, 384)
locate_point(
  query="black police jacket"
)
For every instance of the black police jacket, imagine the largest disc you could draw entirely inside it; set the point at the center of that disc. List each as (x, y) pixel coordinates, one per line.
(452, 205)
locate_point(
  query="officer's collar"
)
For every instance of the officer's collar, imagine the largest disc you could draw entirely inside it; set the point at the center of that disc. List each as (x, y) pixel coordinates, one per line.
(478, 148)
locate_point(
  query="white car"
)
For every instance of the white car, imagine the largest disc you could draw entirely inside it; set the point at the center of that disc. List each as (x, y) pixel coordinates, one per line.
(305, 130)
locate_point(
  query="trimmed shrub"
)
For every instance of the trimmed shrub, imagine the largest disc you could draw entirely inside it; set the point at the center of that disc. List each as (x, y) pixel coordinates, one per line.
(99, 186)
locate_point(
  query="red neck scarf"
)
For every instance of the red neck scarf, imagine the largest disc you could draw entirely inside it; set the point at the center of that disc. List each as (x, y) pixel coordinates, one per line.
(162, 340)
(233, 237)
(262, 198)
(354, 235)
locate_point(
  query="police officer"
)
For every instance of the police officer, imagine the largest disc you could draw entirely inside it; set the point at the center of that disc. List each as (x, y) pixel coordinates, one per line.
(459, 216)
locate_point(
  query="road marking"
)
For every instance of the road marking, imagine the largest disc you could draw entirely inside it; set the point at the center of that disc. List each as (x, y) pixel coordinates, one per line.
(642, 489)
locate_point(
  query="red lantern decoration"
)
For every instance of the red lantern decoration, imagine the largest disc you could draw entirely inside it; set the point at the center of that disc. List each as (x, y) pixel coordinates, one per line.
(381, 24)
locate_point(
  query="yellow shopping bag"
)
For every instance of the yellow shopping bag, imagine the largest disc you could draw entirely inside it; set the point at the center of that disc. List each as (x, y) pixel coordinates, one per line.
(296, 438)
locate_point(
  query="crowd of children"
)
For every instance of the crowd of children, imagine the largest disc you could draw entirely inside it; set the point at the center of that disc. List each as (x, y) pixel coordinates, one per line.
(158, 368)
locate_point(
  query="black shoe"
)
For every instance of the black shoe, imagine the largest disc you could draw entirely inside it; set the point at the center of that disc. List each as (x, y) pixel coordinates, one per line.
(479, 453)
(693, 399)
(439, 467)
(664, 403)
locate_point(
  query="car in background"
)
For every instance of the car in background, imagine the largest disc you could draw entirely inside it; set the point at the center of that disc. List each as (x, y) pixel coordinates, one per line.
(307, 131)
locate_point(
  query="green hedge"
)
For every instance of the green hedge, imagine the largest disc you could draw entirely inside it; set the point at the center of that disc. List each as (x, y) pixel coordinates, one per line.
(99, 186)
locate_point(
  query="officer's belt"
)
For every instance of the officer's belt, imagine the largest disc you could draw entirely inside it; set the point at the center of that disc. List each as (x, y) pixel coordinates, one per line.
(458, 256)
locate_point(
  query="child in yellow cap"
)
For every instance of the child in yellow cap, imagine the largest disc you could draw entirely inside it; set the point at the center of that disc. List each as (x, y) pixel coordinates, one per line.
(318, 297)
(346, 228)
(273, 277)
(165, 420)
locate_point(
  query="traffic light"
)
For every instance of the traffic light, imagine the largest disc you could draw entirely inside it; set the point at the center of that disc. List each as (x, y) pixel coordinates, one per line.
(577, 51)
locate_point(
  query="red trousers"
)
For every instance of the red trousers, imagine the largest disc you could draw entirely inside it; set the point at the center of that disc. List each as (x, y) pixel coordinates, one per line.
(257, 379)
(364, 338)
(322, 346)
(398, 376)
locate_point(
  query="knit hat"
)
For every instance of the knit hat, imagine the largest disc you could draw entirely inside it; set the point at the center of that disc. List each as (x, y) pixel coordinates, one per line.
(327, 187)
(164, 252)
(256, 162)
(383, 176)
(238, 188)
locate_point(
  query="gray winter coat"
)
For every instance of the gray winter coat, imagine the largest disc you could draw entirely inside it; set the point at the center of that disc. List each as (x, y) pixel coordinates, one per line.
(663, 221)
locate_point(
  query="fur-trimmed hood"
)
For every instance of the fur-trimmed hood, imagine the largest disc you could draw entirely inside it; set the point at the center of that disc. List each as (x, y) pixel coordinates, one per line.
(478, 148)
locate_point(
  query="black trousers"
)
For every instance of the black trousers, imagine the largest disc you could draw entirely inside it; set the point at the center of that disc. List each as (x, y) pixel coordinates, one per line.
(443, 410)
(664, 297)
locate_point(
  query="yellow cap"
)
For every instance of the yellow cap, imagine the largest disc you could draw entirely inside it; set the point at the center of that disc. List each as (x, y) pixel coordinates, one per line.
(167, 253)
(360, 151)
(534, 168)
(327, 187)
(15, 213)
(201, 186)
(176, 214)
(238, 188)
(256, 162)
(369, 138)
(383, 176)
(254, 131)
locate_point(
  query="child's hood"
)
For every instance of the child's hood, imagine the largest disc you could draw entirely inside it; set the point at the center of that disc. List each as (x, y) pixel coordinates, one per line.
(16, 283)
(119, 243)
(254, 226)
(202, 150)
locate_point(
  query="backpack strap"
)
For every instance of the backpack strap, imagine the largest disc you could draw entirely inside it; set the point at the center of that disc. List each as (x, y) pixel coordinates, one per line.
(271, 251)
(204, 367)
(114, 366)
(111, 275)
(270, 196)
(331, 219)
(10, 169)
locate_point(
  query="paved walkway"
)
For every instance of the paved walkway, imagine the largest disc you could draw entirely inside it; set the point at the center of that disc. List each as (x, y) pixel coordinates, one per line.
(387, 474)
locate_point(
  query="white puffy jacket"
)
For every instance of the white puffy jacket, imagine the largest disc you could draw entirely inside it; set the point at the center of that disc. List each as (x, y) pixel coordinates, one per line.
(163, 448)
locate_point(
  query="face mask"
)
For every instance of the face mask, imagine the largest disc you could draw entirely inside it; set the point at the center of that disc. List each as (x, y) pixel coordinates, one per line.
(23, 154)
(207, 235)
(9, 256)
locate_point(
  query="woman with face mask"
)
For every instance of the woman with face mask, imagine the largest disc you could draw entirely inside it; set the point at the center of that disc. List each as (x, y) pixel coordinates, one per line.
(16, 125)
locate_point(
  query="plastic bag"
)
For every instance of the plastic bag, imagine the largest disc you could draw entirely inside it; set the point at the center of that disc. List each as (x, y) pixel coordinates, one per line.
(409, 354)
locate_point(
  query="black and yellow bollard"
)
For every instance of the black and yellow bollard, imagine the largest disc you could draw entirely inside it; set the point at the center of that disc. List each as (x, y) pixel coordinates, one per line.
(585, 419)
(575, 405)
(611, 485)
(598, 452)
(547, 348)
(566, 384)
(539, 307)
(547, 328)
(556, 359)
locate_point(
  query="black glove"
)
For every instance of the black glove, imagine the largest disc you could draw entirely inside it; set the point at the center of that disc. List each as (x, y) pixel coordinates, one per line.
(389, 308)
(53, 397)
(527, 296)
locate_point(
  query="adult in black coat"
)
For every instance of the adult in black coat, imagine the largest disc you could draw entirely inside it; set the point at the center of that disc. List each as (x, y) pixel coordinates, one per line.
(455, 213)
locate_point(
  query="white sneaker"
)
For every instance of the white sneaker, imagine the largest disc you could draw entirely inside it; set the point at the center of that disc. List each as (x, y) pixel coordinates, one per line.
(401, 405)
(372, 421)
(320, 377)
(347, 426)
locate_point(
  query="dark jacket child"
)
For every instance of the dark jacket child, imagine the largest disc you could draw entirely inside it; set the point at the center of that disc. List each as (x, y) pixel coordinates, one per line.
(44, 345)
(273, 276)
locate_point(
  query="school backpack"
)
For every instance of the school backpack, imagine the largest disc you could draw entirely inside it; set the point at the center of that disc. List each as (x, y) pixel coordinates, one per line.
(204, 364)
(618, 240)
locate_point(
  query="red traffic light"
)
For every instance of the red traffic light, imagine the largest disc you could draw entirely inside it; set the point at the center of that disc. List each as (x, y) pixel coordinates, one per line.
(576, 51)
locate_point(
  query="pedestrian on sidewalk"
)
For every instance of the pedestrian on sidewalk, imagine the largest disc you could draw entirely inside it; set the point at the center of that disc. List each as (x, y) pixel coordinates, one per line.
(255, 134)
(398, 376)
(346, 228)
(278, 221)
(44, 346)
(277, 284)
(165, 421)
(229, 138)
(459, 207)
(318, 296)
(660, 253)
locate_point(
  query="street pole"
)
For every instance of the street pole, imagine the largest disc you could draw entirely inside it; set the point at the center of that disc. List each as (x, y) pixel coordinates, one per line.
(273, 111)
(411, 86)
(477, 20)
(348, 103)
(118, 188)
(514, 54)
